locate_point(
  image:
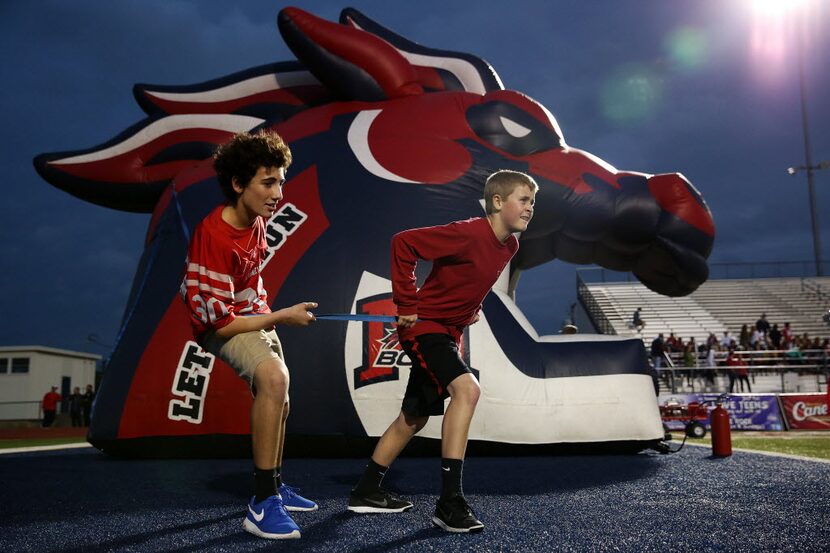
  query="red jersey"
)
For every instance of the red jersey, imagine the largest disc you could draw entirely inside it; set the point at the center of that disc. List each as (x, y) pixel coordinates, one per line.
(222, 277)
(467, 260)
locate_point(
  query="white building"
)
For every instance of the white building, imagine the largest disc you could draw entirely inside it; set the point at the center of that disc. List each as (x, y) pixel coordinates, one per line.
(28, 372)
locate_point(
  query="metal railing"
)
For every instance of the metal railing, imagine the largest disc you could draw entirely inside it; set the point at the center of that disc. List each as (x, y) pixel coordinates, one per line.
(592, 308)
(813, 288)
(792, 370)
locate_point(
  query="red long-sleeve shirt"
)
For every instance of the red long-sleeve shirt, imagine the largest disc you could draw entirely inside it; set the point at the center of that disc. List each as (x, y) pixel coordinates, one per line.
(467, 260)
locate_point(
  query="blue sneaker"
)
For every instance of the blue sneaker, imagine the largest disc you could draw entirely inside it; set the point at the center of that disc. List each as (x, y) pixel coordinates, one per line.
(294, 501)
(268, 519)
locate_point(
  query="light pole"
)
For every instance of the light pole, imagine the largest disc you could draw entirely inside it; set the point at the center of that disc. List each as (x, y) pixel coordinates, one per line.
(812, 192)
(808, 156)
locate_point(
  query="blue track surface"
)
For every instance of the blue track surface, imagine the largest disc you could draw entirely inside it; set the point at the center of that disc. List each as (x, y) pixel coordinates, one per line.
(82, 500)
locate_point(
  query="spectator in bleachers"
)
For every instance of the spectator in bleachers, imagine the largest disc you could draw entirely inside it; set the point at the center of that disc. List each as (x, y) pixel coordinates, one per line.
(637, 321)
(732, 362)
(775, 337)
(689, 361)
(762, 325)
(712, 340)
(727, 342)
(672, 343)
(786, 336)
(825, 359)
(743, 337)
(756, 338)
(658, 348)
(794, 355)
(694, 362)
(711, 363)
(742, 373)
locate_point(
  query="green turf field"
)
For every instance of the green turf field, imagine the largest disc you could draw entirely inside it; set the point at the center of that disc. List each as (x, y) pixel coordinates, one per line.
(34, 442)
(809, 444)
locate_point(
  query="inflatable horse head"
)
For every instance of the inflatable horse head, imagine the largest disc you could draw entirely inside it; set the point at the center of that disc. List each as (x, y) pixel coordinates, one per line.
(386, 135)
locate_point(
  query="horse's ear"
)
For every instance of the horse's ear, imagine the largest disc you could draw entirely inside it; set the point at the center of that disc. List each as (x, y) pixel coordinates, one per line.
(356, 65)
(437, 69)
(131, 171)
(274, 91)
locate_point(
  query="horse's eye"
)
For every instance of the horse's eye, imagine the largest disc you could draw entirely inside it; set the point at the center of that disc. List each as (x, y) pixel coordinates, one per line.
(511, 129)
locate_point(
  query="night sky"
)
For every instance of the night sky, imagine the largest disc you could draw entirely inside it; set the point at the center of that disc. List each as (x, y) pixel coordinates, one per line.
(708, 88)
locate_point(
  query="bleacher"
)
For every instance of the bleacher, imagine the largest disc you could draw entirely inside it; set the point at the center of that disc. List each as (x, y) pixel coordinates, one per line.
(716, 306)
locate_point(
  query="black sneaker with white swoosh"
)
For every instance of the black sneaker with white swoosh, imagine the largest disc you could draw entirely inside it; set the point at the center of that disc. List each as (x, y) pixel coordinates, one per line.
(379, 501)
(455, 515)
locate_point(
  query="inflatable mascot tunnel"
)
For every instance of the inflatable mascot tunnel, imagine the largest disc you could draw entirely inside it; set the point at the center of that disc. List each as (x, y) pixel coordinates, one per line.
(386, 135)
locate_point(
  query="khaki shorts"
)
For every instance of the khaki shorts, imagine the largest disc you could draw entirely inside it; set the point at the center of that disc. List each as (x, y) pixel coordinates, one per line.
(244, 352)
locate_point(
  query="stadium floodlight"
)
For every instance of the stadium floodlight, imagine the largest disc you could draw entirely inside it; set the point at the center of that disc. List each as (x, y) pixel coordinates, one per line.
(822, 165)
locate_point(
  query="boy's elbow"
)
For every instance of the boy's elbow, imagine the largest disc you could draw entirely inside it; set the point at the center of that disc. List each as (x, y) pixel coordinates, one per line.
(229, 330)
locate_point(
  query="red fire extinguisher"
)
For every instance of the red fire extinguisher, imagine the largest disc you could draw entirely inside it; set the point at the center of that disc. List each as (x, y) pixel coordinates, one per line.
(721, 438)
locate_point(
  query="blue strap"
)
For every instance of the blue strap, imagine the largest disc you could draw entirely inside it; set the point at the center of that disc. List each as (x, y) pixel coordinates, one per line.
(352, 317)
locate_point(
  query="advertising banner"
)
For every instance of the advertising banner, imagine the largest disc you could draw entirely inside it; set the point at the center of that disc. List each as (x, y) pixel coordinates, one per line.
(805, 411)
(746, 411)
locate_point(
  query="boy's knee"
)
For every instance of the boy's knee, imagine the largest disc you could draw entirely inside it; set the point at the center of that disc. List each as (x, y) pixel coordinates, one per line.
(272, 379)
(466, 389)
(414, 424)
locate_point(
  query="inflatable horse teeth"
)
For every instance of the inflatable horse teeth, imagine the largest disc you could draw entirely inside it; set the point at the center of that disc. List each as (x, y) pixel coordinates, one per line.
(386, 135)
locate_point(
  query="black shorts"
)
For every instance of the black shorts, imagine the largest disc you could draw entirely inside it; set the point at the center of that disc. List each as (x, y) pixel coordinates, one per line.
(435, 363)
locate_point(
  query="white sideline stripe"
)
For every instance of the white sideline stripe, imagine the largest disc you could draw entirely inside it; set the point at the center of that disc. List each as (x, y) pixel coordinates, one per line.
(44, 448)
(222, 122)
(769, 453)
(241, 89)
